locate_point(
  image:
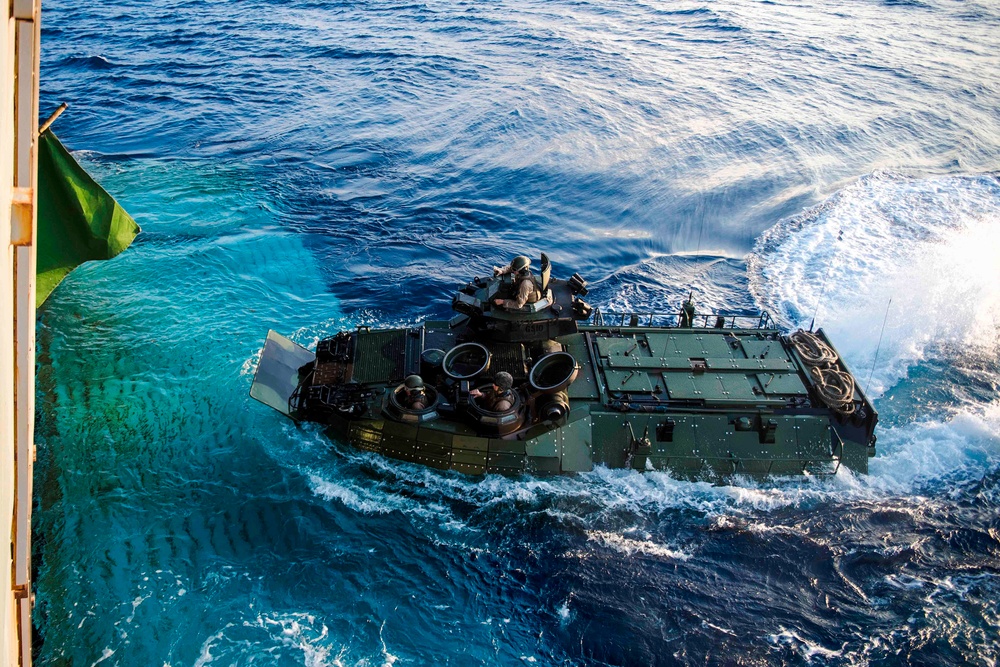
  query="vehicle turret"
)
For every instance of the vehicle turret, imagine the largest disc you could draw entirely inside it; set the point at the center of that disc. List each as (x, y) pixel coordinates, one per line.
(556, 313)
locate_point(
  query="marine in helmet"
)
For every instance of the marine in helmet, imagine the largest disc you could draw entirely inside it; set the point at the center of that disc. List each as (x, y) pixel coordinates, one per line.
(498, 397)
(525, 288)
(412, 395)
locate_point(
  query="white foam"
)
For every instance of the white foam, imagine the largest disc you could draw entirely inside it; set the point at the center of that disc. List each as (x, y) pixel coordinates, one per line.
(105, 654)
(932, 246)
(356, 498)
(302, 633)
(630, 546)
(911, 457)
(584, 500)
(135, 606)
(967, 444)
(563, 611)
(388, 658)
(205, 656)
(809, 650)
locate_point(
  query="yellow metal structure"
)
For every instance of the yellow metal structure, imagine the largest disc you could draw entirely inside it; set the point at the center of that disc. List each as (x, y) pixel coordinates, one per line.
(19, 55)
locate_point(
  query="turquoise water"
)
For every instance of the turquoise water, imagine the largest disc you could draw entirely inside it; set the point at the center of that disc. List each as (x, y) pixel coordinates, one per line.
(311, 166)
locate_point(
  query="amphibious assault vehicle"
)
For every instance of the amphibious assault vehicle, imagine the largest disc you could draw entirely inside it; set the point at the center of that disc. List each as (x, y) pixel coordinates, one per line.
(706, 396)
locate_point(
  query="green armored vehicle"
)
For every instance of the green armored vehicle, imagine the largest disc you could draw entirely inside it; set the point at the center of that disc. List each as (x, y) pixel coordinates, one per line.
(519, 382)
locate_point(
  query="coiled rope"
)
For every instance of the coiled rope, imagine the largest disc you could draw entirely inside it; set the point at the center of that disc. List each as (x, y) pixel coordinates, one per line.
(812, 349)
(834, 386)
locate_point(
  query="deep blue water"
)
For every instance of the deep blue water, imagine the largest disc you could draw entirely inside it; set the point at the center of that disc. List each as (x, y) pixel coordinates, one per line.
(309, 166)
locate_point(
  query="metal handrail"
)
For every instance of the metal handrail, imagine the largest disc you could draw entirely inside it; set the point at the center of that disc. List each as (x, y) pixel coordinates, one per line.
(702, 320)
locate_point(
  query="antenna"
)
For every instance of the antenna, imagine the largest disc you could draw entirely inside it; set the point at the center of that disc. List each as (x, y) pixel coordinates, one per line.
(879, 346)
(826, 282)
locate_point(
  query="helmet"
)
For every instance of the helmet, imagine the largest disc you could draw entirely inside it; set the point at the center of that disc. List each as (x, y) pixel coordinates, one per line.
(414, 382)
(503, 380)
(520, 263)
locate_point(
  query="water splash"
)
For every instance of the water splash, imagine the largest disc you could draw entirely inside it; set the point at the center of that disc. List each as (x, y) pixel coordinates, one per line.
(930, 245)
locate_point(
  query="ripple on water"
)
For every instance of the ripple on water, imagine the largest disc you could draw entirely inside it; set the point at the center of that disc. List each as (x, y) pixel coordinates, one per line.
(351, 163)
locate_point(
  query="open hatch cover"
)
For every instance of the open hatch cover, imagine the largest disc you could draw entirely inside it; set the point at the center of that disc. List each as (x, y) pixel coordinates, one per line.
(277, 373)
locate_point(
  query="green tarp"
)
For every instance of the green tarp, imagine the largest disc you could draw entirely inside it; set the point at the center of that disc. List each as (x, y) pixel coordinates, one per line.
(77, 219)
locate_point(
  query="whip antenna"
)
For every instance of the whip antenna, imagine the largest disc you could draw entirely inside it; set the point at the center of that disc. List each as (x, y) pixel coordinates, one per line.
(819, 302)
(879, 346)
(826, 281)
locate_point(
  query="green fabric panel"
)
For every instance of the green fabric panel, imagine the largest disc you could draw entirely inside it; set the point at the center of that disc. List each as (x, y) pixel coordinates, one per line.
(77, 219)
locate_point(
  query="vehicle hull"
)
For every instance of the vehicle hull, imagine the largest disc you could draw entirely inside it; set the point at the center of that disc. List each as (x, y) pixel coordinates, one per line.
(699, 402)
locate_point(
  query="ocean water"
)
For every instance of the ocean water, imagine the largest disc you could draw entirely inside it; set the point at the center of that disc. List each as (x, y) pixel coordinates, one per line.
(309, 166)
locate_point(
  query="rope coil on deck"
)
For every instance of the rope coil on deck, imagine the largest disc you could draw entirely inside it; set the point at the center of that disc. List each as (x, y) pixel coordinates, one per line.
(834, 386)
(812, 349)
